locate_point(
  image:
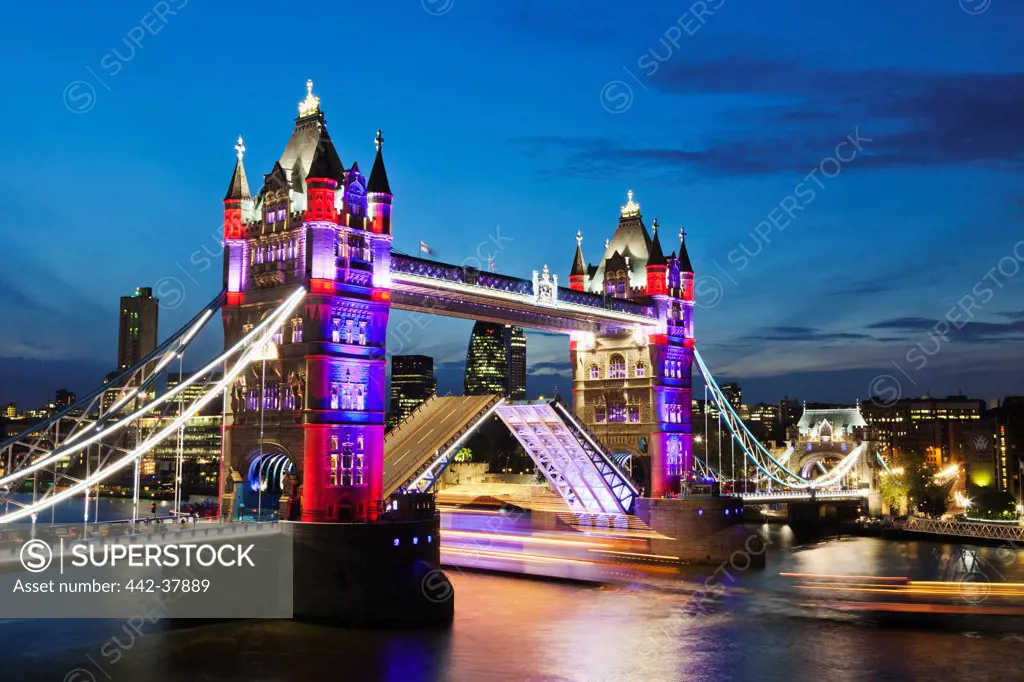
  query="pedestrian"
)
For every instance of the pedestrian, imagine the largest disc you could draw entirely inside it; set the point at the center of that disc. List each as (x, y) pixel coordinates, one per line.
(152, 507)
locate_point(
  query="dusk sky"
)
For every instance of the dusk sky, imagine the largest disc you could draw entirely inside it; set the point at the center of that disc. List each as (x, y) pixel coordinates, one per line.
(510, 125)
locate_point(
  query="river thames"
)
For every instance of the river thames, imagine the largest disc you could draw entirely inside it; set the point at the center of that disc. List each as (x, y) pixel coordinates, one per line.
(763, 626)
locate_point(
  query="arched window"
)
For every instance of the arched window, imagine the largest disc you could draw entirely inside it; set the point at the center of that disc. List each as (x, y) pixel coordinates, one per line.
(640, 369)
(595, 371)
(617, 367)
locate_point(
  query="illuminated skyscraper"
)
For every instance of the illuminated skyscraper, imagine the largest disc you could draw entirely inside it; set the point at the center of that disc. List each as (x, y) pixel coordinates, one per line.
(137, 331)
(412, 382)
(515, 351)
(487, 366)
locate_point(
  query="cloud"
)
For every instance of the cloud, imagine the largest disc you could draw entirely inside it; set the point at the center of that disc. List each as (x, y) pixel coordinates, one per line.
(973, 331)
(784, 333)
(796, 110)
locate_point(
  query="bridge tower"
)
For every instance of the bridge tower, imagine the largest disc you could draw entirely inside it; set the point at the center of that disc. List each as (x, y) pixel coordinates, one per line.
(318, 395)
(634, 389)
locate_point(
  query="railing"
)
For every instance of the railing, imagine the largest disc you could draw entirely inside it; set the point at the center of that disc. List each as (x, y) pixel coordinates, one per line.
(971, 529)
(402, 264)
(576, 424)
(463, 275)
(441, 455)
(804, 495)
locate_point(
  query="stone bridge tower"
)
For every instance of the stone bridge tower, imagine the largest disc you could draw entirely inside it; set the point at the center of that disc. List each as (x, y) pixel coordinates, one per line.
(306, 424)
(633, 389)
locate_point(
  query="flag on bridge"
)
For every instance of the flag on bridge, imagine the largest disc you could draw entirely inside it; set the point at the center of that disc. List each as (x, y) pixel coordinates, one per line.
(425, 249)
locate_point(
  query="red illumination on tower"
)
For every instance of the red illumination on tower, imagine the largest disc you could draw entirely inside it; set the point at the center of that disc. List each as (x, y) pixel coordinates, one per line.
(320, 200)
(657, 267)
(578, 274)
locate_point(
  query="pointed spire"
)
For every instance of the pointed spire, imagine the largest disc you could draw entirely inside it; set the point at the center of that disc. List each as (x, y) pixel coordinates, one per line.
(684, 257)
(326, 163)
(657, 256)
(378, 182)
(632, 208)
(578, 267)
(310, 105)
(238, 188)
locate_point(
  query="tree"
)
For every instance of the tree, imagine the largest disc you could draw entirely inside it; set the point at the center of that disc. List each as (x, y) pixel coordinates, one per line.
(990, 503)
(912, 484)
(895, 490)
(464, 455)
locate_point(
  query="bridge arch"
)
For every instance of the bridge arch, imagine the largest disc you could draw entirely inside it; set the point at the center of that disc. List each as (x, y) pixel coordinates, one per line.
(266, 470)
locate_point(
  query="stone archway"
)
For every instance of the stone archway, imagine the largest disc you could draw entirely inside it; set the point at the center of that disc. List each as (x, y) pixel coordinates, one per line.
(267, 475)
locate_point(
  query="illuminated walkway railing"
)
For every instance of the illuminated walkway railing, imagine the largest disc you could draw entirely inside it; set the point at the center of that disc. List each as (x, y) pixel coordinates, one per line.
(968, 529)
(234, 361)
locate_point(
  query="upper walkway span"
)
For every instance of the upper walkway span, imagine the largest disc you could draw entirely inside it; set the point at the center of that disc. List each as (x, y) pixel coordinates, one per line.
(444, 289)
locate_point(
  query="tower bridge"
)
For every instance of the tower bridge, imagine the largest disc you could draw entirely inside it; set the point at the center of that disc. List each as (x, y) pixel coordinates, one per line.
(310, 278)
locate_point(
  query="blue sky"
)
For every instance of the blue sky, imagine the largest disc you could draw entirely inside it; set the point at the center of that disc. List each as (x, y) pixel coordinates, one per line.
(530, 120)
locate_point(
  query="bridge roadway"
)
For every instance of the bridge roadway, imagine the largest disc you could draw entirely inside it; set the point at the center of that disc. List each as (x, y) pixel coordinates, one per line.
(411, 445)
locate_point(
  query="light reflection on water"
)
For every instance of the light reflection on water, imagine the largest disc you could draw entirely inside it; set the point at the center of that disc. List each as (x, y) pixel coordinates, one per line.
(541, 631)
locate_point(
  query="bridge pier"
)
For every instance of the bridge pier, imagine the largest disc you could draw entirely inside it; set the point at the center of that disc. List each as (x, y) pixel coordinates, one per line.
(702, 530)
(815, 519)
(363, 574)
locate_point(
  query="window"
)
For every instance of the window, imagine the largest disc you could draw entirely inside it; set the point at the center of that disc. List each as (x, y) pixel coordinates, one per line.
(336, 329)
(595, 372)
(617, 367)
(352, 472)
(634, 414)
(349, 326)
(297, 330)
(334, 468)
(641, 369)
(599, 415)
(334, 396)
(334, 442)
(362, 332)
(616, 413)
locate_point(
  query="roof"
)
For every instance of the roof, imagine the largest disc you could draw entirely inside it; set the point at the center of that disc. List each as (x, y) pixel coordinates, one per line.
(846, 418)
(238, 188)
(684, 257)
(578, 266)
(378, 182)
(326, 163)
(302, 146)
(657, 257)
(630, 239)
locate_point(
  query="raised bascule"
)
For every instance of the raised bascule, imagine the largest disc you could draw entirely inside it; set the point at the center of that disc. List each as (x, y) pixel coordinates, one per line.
(310, 278)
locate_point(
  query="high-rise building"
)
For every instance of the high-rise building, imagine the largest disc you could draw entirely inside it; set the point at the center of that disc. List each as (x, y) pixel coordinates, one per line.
(12, 411)
(734, 394)
(137, 330)
(200, 452)
(412, 382)
(64, 397)
(515, 351)
(487, 366)
(194, 391)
